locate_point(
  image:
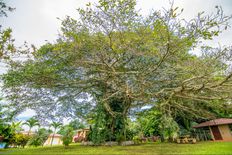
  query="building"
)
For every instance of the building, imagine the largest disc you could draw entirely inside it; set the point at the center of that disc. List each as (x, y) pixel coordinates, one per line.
(220, 129)
(57, 140)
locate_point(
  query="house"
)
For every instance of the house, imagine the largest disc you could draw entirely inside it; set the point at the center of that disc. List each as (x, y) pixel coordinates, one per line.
(81, 135)
(57, 140)
(220, 129)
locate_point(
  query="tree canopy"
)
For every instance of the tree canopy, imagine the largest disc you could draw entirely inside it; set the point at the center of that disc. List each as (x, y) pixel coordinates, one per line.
(117, 60)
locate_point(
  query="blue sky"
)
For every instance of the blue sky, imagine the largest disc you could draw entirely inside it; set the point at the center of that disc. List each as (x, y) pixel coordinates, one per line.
(35, 21)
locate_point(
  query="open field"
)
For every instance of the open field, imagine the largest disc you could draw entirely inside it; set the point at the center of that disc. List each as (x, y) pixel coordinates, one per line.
(216, 148)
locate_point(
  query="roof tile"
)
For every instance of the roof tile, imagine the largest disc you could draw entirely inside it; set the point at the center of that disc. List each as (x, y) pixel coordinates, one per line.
(214, 122)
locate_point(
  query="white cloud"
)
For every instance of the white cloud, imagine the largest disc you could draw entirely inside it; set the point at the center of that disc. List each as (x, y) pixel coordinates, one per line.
(26, 114)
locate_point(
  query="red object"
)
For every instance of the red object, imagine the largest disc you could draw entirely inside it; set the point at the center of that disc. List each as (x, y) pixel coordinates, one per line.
(78, 139)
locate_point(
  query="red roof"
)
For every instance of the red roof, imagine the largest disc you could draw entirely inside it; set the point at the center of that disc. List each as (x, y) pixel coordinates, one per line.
(214, 122)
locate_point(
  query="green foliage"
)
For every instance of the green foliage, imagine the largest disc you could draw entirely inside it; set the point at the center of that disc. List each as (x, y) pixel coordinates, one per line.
(55, 125)
(6, 41)
(168, 128)
(20, 139)
(32, 122)
(40, 137)
(7, 132)
(77, 124)
(16, 126)
(153, 123)
(107, 128)
(149, 122)
(67, 136)
(136, 140)
(98, 133)
(130, 133)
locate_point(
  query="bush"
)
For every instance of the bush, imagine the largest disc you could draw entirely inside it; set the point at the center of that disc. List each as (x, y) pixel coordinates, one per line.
(20, 139)
(39, 138)
(120, 138)
(130, 134)
(6, 132)
(136, 140)
(98, 135)
(67, 136)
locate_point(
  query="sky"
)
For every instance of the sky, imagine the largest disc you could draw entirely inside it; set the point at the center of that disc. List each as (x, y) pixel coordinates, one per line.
(35, 21)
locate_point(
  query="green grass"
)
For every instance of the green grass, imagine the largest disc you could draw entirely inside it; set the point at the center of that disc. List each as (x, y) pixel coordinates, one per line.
(215, 148)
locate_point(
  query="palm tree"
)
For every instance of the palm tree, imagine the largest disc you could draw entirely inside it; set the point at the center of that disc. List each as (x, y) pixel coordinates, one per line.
(55, 125)
(31, 123)
(16, 126)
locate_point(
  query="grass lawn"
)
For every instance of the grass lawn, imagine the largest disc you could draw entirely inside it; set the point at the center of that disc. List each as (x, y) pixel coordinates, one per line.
(216, 148)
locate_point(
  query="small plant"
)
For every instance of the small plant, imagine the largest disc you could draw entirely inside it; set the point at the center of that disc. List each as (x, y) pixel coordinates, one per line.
(136, 140)
(67, 136)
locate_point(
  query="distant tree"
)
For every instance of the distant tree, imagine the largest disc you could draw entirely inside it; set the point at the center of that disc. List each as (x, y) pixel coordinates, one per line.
(149, 123)
(40, 137)
(32, 122)
(55, 125)
(67, 135)
(16, 126)
(62, 129)
(76, 124)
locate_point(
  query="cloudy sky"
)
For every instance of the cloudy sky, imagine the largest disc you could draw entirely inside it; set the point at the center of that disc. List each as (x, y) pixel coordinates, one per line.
(35, 21)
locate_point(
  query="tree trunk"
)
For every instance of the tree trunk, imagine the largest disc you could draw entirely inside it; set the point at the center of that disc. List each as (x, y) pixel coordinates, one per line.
(29, 131)
(53, 136)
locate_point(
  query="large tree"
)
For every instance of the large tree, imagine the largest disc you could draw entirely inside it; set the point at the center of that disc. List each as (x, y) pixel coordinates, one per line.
(114, 59)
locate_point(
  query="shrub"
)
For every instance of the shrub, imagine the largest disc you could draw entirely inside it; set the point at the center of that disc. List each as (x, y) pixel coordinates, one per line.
(6, 132)
(67, 136)
(20, 139)
(39, 138)
(136, 140)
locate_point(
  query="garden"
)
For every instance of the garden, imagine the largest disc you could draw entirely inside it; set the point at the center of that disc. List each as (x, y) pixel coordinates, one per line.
(116, 81)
